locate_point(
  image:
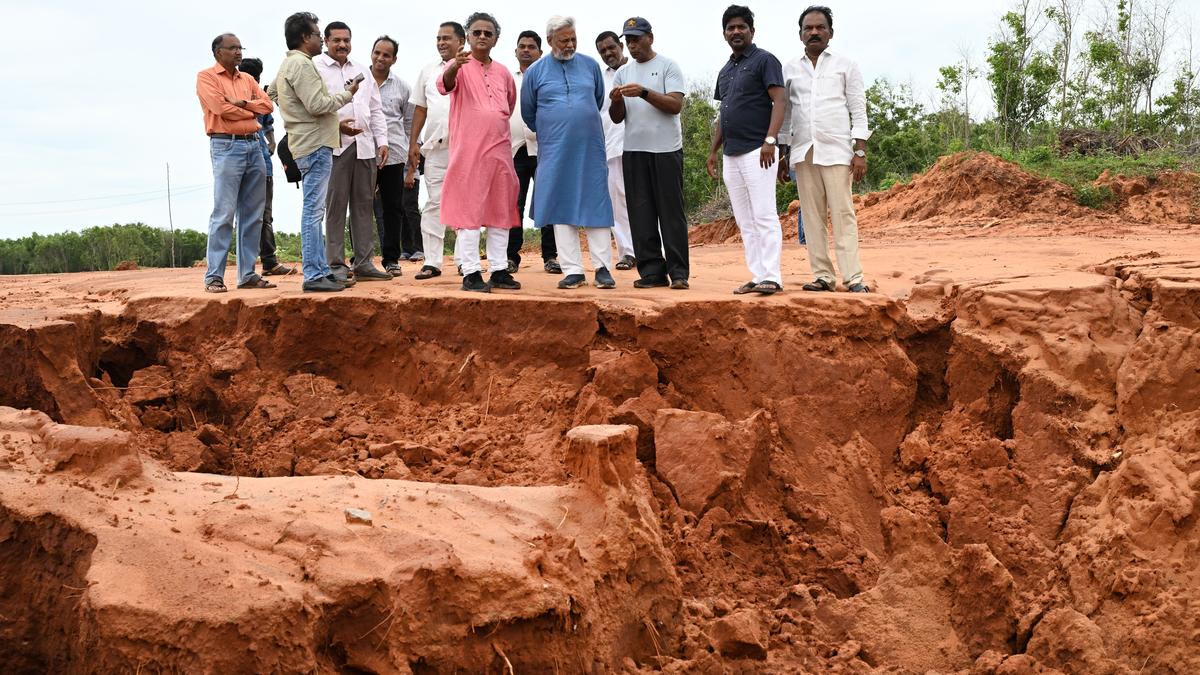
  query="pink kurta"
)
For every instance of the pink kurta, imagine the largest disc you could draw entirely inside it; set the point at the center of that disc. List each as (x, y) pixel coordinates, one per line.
(481, 187)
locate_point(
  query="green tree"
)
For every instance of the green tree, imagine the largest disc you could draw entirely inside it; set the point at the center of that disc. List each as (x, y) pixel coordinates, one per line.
(1022, 78)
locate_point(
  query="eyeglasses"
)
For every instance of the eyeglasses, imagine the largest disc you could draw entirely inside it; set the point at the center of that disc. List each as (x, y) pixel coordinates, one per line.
(233, 49)
(482, 33)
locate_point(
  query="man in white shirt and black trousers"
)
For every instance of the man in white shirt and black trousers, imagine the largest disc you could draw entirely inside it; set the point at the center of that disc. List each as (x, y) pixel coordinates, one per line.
(826, 123)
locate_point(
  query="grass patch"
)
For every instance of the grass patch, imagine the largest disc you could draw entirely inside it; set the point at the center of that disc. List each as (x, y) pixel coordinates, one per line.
(1080, 171)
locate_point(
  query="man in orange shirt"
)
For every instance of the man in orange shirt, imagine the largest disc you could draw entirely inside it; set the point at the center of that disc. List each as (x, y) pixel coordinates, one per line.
(231, 101)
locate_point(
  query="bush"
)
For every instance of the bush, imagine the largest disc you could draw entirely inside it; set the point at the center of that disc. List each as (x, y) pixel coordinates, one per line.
(1095, 196)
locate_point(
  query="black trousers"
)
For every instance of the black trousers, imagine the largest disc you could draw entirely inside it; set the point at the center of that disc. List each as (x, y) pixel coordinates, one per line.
(396, 215)
(266, 241)
(526, 167)
(654, 195)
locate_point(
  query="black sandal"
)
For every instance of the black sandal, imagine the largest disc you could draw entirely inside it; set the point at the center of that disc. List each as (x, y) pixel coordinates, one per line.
(215, 286)
(428, 272)
(818, 285)
(767, 287)
(745, 288)
(257, 283)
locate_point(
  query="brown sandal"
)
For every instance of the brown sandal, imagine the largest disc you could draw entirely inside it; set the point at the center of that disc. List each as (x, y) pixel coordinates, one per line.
(215, 286)
(258, 282)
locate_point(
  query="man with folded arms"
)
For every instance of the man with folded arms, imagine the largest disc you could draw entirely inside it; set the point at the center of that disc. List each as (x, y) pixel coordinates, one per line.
(363, 149)
(231, 101)
(309, 114)
(561, 99)
(750, 89)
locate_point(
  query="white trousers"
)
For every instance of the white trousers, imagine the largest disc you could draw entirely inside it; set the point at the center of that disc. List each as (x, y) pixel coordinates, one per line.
(752, 195)
(466, 250)
(433, 232)
(821, 188)
(566, 238)
(616, 192)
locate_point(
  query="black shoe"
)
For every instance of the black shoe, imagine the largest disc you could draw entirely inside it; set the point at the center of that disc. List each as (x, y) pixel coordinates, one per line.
(651, 282)
(474, 282)
(371, 274)
(680, 284)
(604, 278)
(323, 285)
(818, 285)
(345, 283)
(428, 272)
(572, 281)
(627, 263)
(504, 281)
(552, 267)
(858, 288)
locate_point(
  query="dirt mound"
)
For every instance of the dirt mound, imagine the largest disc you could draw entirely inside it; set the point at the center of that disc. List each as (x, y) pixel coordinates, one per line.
(972, 188)
(1169, 197)
(980, 194)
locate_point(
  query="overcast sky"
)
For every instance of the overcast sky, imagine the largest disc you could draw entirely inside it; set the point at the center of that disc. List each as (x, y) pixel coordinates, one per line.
(102, 95)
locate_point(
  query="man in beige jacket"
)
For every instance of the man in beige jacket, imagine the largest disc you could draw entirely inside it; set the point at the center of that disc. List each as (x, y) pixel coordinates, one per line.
(309, 114)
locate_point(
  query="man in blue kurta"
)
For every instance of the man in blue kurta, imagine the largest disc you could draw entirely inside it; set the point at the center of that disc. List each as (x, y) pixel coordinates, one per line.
(561, 97)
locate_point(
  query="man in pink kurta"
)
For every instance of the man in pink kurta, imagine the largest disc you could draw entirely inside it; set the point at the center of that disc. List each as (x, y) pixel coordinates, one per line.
(481, 185)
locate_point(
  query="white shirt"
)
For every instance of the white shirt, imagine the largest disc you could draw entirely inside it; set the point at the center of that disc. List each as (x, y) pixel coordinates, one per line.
(435, 135)
(366, 108)
(614, 134)
(394, 94)
(826, 109)
(521, 134)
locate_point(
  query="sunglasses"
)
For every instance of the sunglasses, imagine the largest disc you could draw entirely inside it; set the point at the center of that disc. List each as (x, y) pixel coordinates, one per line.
(482, 33)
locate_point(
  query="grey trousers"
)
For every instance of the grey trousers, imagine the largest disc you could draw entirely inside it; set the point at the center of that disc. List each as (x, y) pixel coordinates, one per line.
(352, 186)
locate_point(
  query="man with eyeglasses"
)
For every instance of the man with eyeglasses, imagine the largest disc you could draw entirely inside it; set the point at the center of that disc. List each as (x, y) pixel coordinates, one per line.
(481, 184)
(231, 101)
(266, 138)
(309, 114)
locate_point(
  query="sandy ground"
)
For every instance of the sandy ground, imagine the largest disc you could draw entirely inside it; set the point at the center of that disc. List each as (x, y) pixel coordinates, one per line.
(990, 466)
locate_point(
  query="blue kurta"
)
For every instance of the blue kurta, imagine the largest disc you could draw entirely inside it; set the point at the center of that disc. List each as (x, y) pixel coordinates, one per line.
(560, 102)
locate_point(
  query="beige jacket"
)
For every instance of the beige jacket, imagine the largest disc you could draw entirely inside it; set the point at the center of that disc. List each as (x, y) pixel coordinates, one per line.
(309, 111)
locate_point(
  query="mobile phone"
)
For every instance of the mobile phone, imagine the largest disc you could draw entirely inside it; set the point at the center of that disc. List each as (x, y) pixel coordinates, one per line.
(357, 78)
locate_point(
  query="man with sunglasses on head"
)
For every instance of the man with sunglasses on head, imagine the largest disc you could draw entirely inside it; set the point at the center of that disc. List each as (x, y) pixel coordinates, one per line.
(231, 101)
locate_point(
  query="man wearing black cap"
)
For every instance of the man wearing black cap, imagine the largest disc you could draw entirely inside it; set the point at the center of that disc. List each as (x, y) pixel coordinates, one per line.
(647, 96)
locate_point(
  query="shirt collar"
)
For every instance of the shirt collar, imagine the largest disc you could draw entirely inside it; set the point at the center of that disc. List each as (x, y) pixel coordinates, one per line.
(750, 51)
(219, 69)
(301, 53)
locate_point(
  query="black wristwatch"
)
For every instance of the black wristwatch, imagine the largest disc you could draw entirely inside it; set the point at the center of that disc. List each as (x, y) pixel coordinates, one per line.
(645, 93)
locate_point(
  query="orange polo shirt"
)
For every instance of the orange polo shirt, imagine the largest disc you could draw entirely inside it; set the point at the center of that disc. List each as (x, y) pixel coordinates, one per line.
(213, 85)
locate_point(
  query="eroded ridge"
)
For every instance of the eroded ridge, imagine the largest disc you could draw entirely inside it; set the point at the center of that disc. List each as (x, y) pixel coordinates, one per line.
(997, 477)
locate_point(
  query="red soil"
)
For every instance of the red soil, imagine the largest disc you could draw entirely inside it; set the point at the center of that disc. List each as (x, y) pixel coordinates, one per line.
(990, 467)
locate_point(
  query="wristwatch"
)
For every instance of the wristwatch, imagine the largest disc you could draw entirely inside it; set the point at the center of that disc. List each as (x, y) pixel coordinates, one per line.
(645, 93)
(860, 153)
(770, 140)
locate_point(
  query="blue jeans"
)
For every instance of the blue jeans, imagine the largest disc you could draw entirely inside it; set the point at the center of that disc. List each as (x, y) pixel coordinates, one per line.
(239, 190)
(315, 167)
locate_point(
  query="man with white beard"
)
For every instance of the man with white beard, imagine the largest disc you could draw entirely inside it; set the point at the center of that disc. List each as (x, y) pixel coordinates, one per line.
(561, 97)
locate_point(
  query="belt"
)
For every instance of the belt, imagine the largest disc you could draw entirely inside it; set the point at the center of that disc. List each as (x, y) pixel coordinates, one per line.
(235, 137)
